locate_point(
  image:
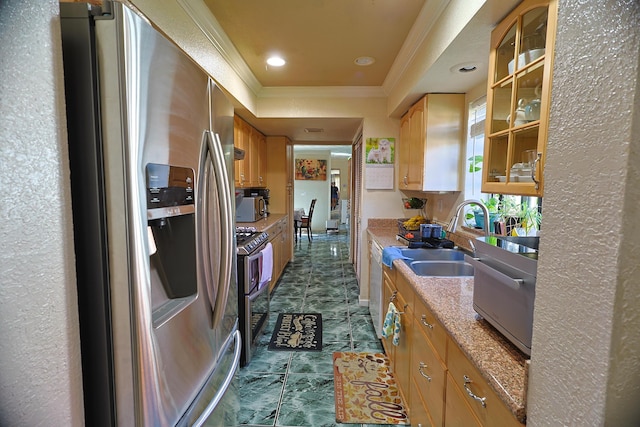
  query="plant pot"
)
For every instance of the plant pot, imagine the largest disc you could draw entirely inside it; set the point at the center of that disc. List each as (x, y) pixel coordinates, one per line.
(479, 217)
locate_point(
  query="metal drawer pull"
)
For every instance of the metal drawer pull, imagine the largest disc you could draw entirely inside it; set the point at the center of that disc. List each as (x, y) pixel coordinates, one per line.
(404, 308)
(422, 366)
(482, 400)
(425, 323)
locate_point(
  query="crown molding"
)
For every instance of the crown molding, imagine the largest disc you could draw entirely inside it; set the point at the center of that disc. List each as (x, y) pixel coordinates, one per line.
(322, 92)
(210, 27)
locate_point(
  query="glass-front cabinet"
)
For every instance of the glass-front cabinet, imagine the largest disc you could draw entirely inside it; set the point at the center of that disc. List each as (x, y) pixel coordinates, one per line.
(518, 96)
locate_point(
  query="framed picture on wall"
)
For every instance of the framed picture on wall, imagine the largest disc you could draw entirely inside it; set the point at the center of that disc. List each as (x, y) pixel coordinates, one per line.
(311, 169)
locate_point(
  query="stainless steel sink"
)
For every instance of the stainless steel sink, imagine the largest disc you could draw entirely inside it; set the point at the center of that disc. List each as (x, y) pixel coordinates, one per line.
(441, 268)
(433, 254)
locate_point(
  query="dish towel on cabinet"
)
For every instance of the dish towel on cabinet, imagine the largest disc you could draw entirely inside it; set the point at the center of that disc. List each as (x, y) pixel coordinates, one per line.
(392, 325)
(266, 265)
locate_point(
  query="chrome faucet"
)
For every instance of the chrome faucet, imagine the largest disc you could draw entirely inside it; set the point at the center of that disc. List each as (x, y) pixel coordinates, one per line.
(453, 224)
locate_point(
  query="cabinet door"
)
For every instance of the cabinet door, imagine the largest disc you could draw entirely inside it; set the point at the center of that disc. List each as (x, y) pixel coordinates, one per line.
(261, 153)
(518, 94)
(429, 374)
(416, 145)
(402, 353)
(419, 414)
(458, 412)
(257, 159)
(476, 391)
(388, 292)
(404, 156)
(241, 140)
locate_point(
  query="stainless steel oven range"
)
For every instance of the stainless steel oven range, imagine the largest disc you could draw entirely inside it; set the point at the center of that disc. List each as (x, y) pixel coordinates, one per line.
(253, 290)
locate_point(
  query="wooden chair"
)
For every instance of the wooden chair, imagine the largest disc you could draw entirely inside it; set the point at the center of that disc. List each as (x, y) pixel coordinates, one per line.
(305, 221)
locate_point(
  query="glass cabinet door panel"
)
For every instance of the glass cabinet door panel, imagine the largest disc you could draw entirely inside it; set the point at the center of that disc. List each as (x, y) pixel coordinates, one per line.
(523, 141)
(505, 55)
(533, 36)
(501, 106)
(496, 169)
(528, 90)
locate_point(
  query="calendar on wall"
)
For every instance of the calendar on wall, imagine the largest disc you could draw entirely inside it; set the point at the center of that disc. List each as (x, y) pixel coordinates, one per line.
(380, 163)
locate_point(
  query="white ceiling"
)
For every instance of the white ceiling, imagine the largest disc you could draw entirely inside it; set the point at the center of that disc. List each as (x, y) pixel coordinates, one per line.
(320, 39)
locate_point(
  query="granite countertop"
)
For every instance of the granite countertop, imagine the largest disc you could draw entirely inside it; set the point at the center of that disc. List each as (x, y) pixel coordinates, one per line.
(451, 301)
(263, 224)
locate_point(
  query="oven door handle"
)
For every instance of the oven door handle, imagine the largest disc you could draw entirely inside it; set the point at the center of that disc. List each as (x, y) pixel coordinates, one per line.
(255, 295)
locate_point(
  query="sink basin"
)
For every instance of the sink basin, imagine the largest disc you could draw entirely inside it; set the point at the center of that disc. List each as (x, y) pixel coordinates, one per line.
(441, 268)
(433, 254)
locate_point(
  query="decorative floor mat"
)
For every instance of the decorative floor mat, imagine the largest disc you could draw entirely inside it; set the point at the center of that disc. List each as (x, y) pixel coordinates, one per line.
(365, 390)
(297, 332)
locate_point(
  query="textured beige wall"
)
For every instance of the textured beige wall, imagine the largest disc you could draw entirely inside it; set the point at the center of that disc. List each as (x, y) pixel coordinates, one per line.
(40, 378)
(585, 368)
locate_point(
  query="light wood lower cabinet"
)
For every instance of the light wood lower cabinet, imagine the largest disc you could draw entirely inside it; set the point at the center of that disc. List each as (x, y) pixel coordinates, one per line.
(483, 402)
(429, 373)
(400, 355)
(278, 237)
(436, 379)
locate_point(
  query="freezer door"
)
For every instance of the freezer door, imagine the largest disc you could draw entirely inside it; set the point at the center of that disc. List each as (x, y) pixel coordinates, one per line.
(155, 110)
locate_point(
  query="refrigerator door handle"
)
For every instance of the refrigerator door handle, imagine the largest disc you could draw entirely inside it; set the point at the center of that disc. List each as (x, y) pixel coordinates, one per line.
(218, 299)
(227, 381)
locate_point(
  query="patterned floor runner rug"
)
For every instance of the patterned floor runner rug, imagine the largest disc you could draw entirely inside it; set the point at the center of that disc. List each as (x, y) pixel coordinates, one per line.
(365, 390)
(297, 332)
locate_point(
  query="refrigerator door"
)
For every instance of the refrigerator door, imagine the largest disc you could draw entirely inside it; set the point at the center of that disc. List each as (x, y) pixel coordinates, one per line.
(164, 316)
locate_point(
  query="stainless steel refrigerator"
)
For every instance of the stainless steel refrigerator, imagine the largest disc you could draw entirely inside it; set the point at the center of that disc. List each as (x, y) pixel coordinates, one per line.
(151, 154)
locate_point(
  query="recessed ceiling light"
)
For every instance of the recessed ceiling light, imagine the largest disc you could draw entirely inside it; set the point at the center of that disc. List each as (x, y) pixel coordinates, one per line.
(276, 61)
(465, 67)
(364, 60)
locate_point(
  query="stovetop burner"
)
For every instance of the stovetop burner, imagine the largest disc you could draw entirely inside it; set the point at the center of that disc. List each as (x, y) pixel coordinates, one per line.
(248, 239)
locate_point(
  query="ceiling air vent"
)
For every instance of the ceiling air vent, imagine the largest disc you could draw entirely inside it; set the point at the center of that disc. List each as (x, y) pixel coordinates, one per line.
(313, 130)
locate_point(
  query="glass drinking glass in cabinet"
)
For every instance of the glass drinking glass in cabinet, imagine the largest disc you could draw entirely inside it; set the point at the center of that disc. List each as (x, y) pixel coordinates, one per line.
(505, 54)
(524, 143)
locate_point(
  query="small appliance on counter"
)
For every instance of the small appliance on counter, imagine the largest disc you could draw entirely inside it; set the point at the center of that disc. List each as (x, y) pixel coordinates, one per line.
(504, 285)
(259, 192)
(251, 209)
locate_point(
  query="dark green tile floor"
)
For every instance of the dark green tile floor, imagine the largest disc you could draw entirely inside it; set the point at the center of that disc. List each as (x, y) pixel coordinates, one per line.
(281, 388)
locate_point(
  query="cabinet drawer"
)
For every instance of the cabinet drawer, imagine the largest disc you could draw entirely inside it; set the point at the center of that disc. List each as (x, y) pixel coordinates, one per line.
(404, 288)
(419, 414)
(458, 411)
(429, 374)
(469, 381)
(431, 327)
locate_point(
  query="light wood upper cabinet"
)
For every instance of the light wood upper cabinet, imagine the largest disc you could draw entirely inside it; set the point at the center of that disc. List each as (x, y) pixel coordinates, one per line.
(250, 172)
(518, 96)
(431, 141)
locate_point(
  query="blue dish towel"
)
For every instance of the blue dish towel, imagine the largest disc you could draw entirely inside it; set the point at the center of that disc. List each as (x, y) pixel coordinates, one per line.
(390, 253)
